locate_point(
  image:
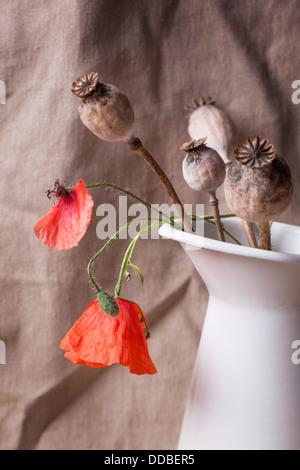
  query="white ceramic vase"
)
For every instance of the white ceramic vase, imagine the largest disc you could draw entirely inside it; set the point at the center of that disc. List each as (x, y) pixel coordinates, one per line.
(245, 391)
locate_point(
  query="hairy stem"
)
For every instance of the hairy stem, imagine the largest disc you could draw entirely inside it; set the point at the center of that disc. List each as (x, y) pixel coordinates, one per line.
(128, 254)
(106, 245)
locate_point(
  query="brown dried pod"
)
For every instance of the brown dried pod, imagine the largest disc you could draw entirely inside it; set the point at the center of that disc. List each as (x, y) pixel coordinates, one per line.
(205, 118)
(204, 170)
(107, 112)
(258, 185)
(104, 109)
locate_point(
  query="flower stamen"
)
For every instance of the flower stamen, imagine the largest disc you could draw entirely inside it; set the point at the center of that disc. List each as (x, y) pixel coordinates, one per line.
(59, 191)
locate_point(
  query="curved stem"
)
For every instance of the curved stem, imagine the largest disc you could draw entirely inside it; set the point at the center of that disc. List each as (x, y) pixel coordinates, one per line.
(128, 255)
(129, 193)
(136, 146)
(106, 245)
(208, 218)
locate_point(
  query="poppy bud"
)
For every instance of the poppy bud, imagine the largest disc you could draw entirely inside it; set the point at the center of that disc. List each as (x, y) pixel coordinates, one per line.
(108, 304)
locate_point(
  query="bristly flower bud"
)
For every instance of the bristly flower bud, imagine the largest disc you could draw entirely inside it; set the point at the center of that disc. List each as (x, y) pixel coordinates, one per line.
(108, 304)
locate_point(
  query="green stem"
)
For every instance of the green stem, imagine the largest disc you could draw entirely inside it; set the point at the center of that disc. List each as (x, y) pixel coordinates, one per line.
(129, 193)
(208, 218)
(128, 255)
(106, 245)
(227, 233)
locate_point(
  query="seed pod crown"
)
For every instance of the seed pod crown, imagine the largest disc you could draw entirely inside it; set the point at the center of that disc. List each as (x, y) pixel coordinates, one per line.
(85, 85)
(197, 104)
(255, 153)
(193, 145)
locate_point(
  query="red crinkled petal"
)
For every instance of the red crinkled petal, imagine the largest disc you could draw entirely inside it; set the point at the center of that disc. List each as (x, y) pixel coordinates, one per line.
(99, 340)
(66, 223)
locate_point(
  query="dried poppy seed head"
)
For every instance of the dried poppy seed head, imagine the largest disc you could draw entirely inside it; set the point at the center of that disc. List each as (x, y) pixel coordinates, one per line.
(193, 144)
(85, 85)
(104, 109)
(205, 118)
(258, 185)
(203, 169)
(255, 153)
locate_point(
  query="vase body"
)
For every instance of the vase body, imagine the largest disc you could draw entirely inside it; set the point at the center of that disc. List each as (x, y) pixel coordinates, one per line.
(245, 391)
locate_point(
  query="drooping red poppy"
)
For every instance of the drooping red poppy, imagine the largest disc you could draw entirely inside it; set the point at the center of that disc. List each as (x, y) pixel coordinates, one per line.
(100, 340)
(66, 222)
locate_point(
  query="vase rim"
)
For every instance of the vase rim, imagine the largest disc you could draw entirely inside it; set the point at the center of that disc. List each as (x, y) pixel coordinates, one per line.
(197, 241)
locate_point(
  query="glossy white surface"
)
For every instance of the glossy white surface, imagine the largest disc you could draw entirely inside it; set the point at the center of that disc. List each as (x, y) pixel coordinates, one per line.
(245, 392)
(285, 240)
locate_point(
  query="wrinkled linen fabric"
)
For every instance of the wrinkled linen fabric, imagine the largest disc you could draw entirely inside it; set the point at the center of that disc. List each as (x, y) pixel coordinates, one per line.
(243, 53)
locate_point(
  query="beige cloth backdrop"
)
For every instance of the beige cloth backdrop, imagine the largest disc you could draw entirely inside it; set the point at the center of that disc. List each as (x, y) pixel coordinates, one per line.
(161, 53)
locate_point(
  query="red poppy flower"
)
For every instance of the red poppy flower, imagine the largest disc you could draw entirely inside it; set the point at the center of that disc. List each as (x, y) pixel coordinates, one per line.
(66, 223)
(100, 340)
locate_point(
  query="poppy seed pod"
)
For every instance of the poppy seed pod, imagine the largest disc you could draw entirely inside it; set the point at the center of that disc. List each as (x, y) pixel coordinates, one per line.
(104, 109)
(204, 170)
(205, 118)
(107, 112)
(258, 185)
